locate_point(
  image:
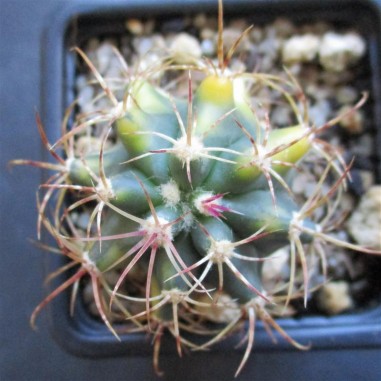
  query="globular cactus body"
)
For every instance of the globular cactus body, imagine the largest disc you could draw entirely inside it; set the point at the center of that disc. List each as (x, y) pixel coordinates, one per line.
(169, 149)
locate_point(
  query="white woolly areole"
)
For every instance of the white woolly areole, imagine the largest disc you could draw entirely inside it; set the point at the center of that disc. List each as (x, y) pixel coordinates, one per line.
(260, 159)
(120, 109)
(175, 295)
(170, 193)
(162, 230)
(198, 202)
(105, 191)
(68, 163)
(88, 263)
(186, 152)
(296, 219)
(297, 224)
(221, 250)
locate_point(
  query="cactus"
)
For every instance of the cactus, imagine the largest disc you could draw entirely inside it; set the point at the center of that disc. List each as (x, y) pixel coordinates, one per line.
(194, 194)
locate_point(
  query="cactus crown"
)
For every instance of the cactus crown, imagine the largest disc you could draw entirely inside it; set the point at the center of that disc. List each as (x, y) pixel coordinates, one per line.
(193, 194)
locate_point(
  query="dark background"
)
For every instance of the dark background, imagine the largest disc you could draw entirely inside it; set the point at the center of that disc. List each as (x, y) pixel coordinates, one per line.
(29, 355)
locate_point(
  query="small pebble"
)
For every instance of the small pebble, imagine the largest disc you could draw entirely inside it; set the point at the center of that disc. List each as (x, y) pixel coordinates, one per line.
(143, 45)
(367, 179)
(135, 26)
(364, 224)
(87, 293)
(300, 49)
(174, 25)
(270, 46)
(149, 27)
(334, 297)
(256, 34)
(81, 81)
(275, 268)
(85, 96)
(200, 21)
(320, 112)
(239, 24)
(339, 51)
(230, 36)
(348, 201)
(318, 28)
(224, 311)
(104, 55)
(281, 116)
(83, 220)
(318, 92)
(207, 34)
(185, 48)
(346, 95)
(208, 47)
(283, 27)
(299, 182)
(352, 121)
(114, 69)
(339, 264)
(91, 49)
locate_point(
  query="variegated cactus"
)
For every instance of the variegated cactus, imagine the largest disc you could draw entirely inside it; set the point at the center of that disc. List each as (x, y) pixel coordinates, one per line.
(194, 194)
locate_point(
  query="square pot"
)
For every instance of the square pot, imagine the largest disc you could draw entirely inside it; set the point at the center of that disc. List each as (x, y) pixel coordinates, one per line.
(83, 335)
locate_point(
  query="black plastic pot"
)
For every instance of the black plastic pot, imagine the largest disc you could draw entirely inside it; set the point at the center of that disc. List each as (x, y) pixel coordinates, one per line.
(84, 336)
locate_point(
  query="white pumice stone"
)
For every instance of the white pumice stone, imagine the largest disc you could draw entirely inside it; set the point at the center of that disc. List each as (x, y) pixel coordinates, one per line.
(300, 48)
(104, 54)
(364, 224)
(334, 297)
(185, 48)
(339, 51)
